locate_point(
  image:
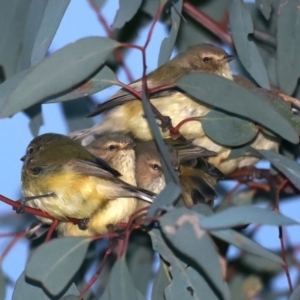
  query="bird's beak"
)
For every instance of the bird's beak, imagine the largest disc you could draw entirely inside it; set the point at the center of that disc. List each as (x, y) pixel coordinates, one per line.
(227, 58)
(23, 158)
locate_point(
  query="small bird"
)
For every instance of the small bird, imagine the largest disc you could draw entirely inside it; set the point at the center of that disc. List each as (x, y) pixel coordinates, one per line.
(197, 181)
(62, 178)
(124, 112)
(118, 150)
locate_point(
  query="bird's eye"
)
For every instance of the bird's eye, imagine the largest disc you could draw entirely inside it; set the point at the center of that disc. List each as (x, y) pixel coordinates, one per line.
(206, 59)
(30, 150)
(155, 167)
(36, 170)
(111, 147)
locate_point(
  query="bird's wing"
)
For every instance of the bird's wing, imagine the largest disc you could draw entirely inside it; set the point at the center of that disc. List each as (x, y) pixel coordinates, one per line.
(92, 169)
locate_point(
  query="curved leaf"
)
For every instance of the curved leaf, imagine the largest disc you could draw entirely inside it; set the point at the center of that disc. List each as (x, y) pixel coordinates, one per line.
(100, 81)
(242, 215)
(2, 285)
(288, 45)
(227, 95)
(55, 263)
(296, 294)
(161, 281)
(24, 289)
(228, 130)
(289, 167)
(265, 7)
(241, 26)
(59, 72)
(52, 17)
(168, 43)
(126, 12)
(182, 229)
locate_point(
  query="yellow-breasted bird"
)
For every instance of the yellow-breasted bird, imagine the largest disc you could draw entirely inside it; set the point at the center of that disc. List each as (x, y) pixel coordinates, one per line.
(62, 178)
(123, 112)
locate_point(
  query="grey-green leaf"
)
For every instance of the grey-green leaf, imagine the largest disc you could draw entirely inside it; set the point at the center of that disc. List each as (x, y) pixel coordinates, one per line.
(161, 281)
(126, 12)
(241, 26)
(182, 229)
(242, 215)
(100, 81)
(265, 7)
(27, 290)
(227, 129)
(168, 43)
(120, 284)
(227, 95)
(289, 167)
(36, 118)
(52, 17)
(237, 239)
(59, 72)
(2, 285)
(296, 294)
(288, 45)
(55, 263)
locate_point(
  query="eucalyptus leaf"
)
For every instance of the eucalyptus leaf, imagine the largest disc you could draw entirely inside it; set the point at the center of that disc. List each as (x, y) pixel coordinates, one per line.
(120, 284)
(289, 167)
(168, 43)
(55, 263)
(242, 215)
(27, 290)
(225, 94)
(237, 239)
(185, 281)
(288, 45)
(241, 26)
(33, 22)
(126, 11)
(36, 118)
(53, 14)
(296, 293)
(2, 285)
(100, 81)
(58, 72)
(13, 18)
(182, 229)
(165, 198)
(265, 7)
(161, 281)
(227, 129)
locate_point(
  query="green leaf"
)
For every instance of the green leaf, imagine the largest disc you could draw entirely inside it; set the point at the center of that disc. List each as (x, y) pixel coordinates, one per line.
(161, 281)
(150, 7)
(53, 14)
(126, 12)
(75, 113)
(120, 284)
(165, 198)
(36, 118)
(168, 169)
(296, 293)
(168, 43)
(265, 7)
(25, 289)
(235, 238)
(182, 229)
(227, 95)
(2, 285)
(260, 264)
(227, 129)
(241, 26)
(242, 215)
(58, 72)
(288, 45)
(139, 258)
(184, 280)
(13, 16)
(100, 81)
(55, 263)
(289, 167)
(33, 22)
